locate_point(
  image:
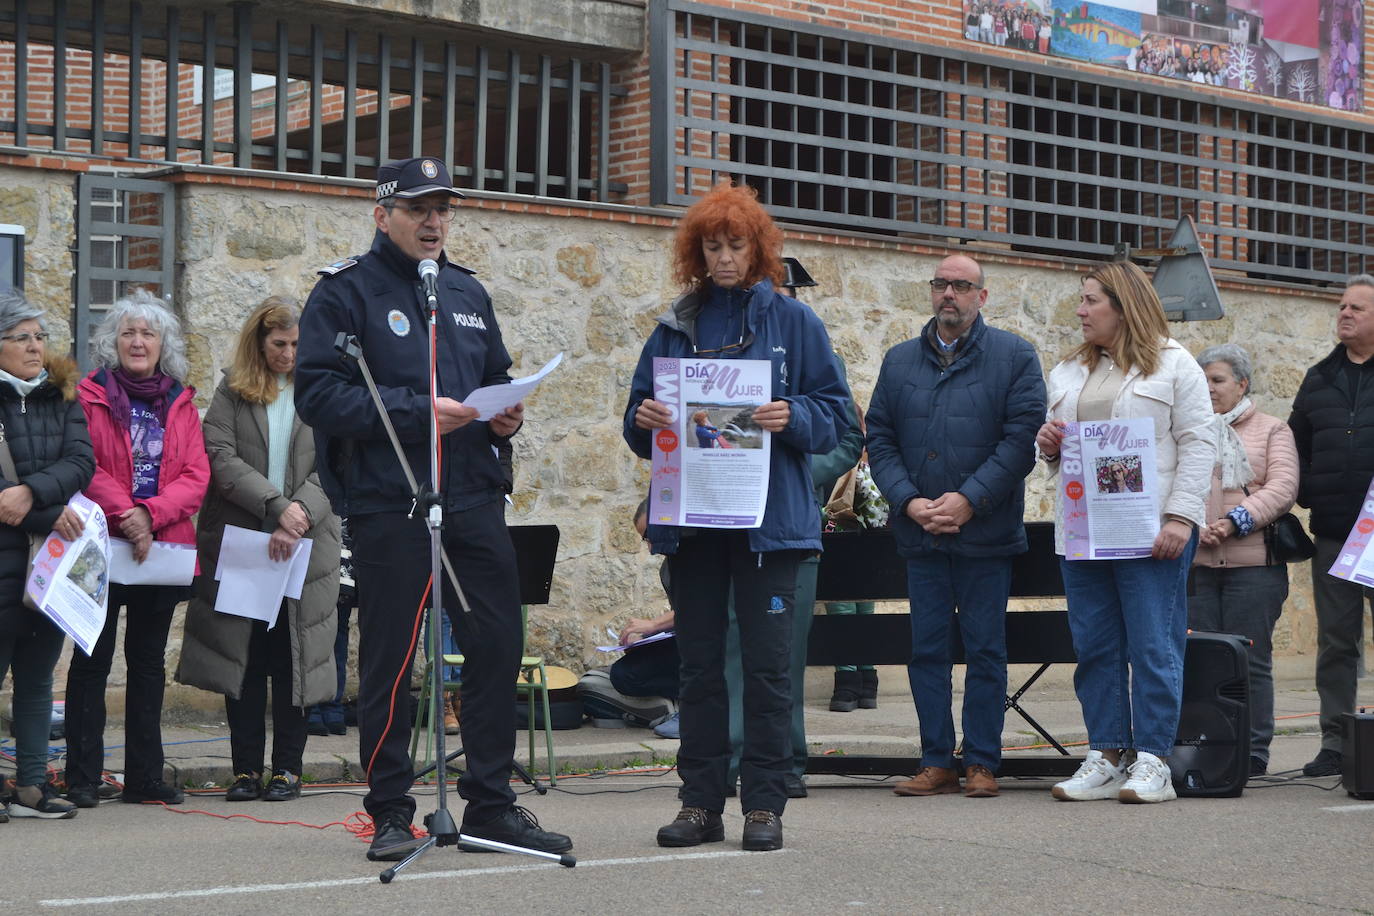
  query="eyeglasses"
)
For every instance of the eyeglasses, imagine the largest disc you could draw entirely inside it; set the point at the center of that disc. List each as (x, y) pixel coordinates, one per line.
(940, 284)
(728, 348)
(420, 212)
(745, 339)
(23, 339)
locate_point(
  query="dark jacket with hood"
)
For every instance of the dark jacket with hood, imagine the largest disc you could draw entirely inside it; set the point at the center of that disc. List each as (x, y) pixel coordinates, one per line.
(46, 433)
(1333, 427)
(968, 428)
(378, 298)
(805, 373)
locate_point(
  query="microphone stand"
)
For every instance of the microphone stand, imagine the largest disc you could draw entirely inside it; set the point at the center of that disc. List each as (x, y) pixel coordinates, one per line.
(443, 831)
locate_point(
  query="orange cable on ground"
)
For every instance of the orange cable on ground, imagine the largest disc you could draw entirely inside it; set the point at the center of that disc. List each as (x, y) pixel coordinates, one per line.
(359, 823)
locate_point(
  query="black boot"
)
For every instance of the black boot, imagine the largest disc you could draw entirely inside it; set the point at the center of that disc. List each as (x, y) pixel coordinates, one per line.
(846, 695)
(868, 689)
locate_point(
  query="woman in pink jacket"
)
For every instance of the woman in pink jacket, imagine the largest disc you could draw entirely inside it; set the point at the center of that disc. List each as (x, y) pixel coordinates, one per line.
(1254, 482)
(151, 472)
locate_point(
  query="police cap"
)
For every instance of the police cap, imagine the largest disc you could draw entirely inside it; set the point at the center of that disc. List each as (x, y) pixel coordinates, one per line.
(414, 178)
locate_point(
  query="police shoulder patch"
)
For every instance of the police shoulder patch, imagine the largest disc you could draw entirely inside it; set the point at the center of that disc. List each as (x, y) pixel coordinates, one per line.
(337, 267)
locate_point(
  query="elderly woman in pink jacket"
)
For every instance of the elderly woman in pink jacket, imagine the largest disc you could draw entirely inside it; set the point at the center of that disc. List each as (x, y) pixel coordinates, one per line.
(1255, 481)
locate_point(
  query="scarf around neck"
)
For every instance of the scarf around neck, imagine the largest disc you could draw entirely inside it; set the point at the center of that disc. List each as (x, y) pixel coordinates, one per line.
(120, 387)
(1235, 464)
(21, 387)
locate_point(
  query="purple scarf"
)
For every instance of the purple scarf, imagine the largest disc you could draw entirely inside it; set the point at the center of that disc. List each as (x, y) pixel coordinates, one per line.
(120, 387)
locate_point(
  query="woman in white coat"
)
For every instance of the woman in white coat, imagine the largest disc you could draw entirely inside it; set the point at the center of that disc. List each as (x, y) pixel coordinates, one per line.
(1129, 617)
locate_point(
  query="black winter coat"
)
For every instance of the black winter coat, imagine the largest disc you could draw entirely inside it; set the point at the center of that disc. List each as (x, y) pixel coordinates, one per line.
(1333, 426)
(46, 433)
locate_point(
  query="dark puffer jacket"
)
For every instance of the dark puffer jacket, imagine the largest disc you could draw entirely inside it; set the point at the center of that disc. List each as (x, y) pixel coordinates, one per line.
(1333, 426)
(969, 428)
(46, 432)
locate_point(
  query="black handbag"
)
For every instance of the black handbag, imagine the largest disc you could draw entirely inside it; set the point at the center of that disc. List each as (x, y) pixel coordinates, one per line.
(1285, 541)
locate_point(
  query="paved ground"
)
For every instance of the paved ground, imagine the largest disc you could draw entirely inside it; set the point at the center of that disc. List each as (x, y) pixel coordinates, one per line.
(1285, 846)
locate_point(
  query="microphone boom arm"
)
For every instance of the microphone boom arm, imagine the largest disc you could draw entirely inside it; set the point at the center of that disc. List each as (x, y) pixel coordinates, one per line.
(350, 350)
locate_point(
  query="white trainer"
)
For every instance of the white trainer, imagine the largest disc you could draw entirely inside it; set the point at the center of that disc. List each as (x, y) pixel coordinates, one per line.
(1149, 781)
(1096, 778)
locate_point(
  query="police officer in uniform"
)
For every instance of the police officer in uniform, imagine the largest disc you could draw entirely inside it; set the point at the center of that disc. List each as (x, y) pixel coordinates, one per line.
(379, 298)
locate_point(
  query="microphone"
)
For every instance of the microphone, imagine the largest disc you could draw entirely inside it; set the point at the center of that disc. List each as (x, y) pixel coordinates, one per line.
(429, 275)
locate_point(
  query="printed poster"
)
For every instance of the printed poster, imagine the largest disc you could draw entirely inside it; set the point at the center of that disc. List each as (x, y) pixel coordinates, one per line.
(1355, 562)
(70, 580)
(1109, 489)
(710, 465)
(1301, 50)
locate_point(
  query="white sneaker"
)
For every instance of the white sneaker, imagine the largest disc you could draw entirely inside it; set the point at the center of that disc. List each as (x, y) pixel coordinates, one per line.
(1096, 778)
(1150, 781)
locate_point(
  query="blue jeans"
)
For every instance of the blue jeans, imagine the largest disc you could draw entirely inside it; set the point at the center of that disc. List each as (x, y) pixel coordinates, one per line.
(332, 711)
(1129, 620)
(30, 659)
(452, 673)
(937, 584)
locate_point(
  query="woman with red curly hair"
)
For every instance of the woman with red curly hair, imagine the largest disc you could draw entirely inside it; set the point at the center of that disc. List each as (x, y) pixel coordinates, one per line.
(728, 256)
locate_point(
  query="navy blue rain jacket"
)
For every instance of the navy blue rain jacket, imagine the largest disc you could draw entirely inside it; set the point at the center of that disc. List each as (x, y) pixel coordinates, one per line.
(969, 428)
(378, 297)
(805, 374)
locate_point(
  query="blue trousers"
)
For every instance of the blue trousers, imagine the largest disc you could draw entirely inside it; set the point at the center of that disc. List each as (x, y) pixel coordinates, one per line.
(938, 585)
(1129, 621)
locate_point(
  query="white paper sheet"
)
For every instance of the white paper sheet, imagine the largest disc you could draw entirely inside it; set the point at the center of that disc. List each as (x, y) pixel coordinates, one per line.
(648, 640)
(166, 564)
(251, 583)
(493, 399)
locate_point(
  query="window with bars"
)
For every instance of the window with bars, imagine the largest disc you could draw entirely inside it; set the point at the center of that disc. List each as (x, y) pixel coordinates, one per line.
(123, 80)
(898, 138)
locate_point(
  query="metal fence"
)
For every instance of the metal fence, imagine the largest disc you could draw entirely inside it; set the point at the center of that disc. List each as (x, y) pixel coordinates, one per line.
(226, 85)
(888, 136)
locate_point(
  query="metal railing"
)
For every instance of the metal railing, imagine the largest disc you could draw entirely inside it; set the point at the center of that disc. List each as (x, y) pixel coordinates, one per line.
(313, 97)
(856, 131)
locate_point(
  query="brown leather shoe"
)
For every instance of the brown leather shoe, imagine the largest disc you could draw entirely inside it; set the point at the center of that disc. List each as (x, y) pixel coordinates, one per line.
(979, 782)
(930, 781)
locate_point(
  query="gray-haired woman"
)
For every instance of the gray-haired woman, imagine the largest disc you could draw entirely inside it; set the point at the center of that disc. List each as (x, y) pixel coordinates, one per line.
(150, 478)
(1235, 590)
(45, 433)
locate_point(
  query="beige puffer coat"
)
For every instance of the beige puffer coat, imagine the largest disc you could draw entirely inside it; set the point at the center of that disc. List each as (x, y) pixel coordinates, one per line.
(214, 653)
(1274, 460)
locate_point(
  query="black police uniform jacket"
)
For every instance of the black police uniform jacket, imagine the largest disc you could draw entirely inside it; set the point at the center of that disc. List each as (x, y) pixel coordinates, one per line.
(378, 298)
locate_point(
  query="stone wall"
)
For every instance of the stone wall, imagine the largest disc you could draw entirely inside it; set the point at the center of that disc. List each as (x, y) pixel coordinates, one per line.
(590, 287)
(44, 203)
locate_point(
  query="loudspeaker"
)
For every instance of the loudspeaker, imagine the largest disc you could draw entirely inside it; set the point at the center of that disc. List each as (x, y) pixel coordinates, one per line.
(1357, 753)
(1211, 756)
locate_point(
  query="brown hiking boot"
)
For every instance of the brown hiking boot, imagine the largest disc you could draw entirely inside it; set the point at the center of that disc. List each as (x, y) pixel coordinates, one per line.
(451, 706)
(930, 781)
(979, 782)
